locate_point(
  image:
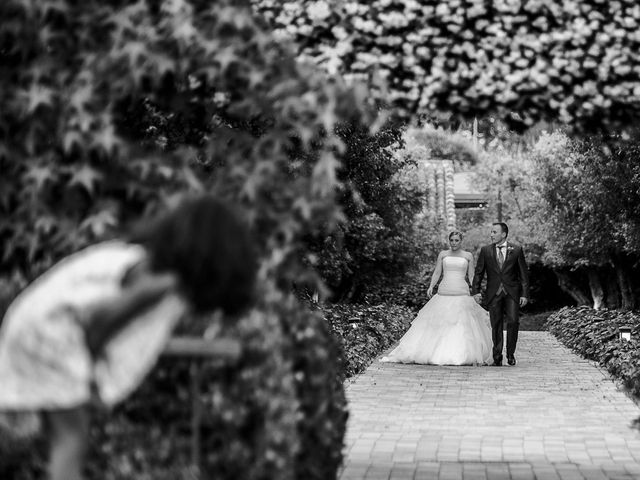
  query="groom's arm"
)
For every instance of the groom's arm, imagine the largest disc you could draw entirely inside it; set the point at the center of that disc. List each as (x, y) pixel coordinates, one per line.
(478, 274)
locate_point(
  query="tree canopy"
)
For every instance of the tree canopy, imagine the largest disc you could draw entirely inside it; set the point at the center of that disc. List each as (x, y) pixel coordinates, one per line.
(577, 61)
(573, 203)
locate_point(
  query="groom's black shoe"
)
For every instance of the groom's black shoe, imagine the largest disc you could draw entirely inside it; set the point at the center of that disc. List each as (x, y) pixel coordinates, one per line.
(511, 360)
(497, 363)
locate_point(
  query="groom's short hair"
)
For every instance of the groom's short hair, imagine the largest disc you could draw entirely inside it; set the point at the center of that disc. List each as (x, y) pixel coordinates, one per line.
(503, 226)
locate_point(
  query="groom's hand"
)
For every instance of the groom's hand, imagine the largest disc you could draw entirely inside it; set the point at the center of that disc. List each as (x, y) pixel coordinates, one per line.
(523, 301)
(478, 298)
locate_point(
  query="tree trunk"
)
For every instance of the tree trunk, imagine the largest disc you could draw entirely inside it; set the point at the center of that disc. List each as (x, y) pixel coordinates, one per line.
(612, 296)
(569, 286)
(626, 293)
(349, 290)
(597, 292)
(624, 284)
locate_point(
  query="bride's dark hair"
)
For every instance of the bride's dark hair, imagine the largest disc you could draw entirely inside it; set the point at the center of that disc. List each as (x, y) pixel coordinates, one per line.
(456, 232)
(204, 241)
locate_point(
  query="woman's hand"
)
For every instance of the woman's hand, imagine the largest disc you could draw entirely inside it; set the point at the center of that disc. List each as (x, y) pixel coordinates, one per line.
(430, 292)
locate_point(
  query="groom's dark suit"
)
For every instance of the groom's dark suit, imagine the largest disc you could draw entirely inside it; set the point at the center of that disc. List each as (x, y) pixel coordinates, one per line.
(505, 286)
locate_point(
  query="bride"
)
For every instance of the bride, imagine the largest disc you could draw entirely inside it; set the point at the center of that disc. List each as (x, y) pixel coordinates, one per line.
(451, 329)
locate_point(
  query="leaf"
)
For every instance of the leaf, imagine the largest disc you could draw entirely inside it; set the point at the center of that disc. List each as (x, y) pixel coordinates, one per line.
(45, 223)
(71, 138)
(161, 64)
(185, 32)
(106, 139)
(38, 95)
(40, 175)
(86, 177)
(81, 96)
(134, 50)
(225, 57)
(99, 223)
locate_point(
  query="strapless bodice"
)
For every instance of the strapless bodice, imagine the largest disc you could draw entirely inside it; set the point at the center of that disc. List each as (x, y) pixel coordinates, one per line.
(454, 273)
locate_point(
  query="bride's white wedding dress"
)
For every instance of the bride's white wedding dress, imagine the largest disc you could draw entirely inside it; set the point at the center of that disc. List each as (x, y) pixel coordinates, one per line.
(451, 329)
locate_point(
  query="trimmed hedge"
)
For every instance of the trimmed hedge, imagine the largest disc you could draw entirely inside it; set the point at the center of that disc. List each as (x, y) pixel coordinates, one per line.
(366, 331)
(594, 335)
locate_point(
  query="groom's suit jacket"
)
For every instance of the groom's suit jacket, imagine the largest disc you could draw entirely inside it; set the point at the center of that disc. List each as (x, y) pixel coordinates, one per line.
(513, 276)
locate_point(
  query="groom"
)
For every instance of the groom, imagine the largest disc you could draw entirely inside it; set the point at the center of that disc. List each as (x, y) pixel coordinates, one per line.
(507, 288)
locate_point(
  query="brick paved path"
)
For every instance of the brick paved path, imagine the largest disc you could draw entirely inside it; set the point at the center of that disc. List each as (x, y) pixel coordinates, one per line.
(552, 416)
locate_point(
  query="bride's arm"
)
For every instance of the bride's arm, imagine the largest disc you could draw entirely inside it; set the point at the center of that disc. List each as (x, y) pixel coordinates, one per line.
(436, 274)
(470, 268)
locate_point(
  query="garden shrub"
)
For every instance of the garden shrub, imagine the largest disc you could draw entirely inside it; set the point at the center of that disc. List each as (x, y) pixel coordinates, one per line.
(318, 373)
(594, 335)
(411, 293)
(365, 331)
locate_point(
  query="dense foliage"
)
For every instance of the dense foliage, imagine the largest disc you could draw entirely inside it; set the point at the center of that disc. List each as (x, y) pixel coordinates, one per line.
(588, 191)
(318, 373)
(576, 61)
(381, 236)
(90, 96)
(572, 202)
(594, 334)
(111, 109)
(366, 331)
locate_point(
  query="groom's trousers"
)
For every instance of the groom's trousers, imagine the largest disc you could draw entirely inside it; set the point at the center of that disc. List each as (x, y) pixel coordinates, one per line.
(503, 309)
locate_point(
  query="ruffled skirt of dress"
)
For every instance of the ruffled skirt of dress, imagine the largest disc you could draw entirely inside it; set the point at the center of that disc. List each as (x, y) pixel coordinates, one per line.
(448, 330)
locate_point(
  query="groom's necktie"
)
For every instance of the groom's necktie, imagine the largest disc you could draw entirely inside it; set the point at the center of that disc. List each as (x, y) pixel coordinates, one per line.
(500, 256)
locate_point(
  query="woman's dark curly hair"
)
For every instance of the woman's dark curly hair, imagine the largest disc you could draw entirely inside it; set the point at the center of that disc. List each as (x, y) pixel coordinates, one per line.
(205, 242)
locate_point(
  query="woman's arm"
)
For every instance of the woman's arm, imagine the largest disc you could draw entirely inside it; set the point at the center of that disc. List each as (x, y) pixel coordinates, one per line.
(106, 318)
(470, 268)
(437, 272)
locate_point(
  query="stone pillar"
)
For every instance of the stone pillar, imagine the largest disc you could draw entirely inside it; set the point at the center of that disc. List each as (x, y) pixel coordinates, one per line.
(440, 193)
(450, 201)
(438, 181)
(430, 172)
